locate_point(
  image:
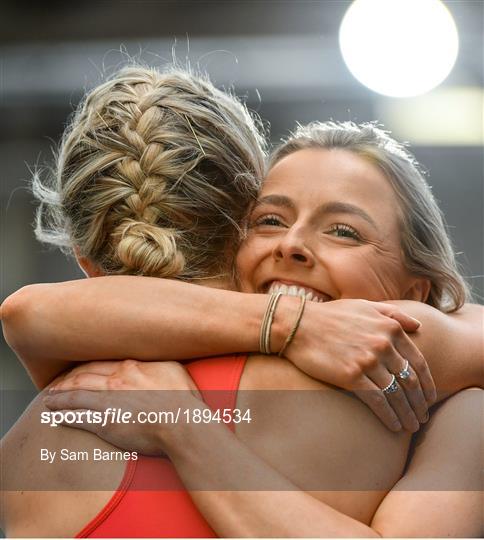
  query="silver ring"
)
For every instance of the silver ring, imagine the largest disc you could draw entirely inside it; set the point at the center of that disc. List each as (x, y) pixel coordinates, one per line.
(405, 372)
(392, 387)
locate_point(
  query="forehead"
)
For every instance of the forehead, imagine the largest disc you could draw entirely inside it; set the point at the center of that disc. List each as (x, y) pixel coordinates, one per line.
(311, 177)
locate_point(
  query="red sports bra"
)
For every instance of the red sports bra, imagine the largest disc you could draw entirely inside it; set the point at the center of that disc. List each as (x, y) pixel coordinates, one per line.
(150, 500)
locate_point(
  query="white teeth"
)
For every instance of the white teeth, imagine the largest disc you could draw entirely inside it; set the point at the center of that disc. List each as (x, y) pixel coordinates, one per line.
(276, 287)
(293, 290)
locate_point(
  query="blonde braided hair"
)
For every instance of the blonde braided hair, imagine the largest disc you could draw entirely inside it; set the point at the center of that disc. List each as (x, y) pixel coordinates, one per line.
(153, 176)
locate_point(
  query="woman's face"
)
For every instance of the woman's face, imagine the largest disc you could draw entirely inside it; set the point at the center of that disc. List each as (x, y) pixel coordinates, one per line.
(326, 220)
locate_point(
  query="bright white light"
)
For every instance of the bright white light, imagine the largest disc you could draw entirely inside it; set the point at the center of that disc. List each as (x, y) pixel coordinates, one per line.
(399, 48)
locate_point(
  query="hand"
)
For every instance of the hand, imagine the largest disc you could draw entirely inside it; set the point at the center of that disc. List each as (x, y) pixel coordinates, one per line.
(131, 386)
(357, 345)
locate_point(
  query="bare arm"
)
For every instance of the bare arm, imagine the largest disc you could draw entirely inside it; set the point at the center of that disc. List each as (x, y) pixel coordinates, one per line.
(452, 344)
(220, 463)
(51, 325)
(441, 493)
(250, 512)
(119, 317)
(115, 317)
(439, 496)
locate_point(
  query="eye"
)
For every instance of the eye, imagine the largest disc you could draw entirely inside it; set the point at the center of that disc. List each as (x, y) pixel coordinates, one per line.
(342, 230)
(271, 220)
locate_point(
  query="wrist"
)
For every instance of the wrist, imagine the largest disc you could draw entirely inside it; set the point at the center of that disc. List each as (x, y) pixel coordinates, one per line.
(236, 320)
(283, 321)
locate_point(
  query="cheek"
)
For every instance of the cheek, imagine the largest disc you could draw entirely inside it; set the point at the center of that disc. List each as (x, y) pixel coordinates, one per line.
(371, 276)
(254, 255)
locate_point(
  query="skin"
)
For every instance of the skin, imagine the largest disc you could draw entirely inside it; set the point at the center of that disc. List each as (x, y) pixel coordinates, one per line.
(339, 252)
(302, 258)
(343, 241)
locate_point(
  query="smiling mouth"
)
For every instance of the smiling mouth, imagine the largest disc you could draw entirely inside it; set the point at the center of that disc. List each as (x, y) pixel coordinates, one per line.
(296, 289)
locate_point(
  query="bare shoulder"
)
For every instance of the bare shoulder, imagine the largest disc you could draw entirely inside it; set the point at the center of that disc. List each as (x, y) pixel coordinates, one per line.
(447, 451)
(452, 344)
(464, 401)
(46, 467)
(471, 314)
(459, 417)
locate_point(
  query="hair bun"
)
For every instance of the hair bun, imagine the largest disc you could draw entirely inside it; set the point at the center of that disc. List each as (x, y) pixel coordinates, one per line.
(149, 250)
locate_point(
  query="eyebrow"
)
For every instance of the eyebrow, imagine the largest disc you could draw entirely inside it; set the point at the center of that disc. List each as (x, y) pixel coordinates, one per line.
(338, 207)
(276, 200)
(331, 207)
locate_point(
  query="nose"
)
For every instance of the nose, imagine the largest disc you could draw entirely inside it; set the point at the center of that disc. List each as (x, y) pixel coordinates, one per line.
(291, 248)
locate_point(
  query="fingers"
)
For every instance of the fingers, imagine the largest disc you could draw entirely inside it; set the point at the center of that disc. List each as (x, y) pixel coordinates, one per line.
(75, 419)
(408, 324)
(85, 426)
(75, 399)
(86, 381)
(101, 367)
(410, 385)
(419, 387)
(408, 350)
(398, 401)
(416, 399)
(372, 396)
(400, 404)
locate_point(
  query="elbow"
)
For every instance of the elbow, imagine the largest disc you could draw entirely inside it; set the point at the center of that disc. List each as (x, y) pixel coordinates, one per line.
(10, 312)
(14, 314)
(19, 314)
(9, 306)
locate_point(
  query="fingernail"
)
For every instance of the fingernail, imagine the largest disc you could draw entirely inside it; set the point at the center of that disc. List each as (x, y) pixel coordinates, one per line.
(396, 426)
(426, 417)
(418, 323)
(51, 389)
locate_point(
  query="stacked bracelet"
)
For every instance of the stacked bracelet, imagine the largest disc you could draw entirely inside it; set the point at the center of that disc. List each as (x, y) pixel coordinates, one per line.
(292, 333)
(265, 330)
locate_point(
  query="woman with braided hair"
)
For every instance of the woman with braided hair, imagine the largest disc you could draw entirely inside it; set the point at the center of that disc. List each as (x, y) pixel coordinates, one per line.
(136, 178)
(156, 177)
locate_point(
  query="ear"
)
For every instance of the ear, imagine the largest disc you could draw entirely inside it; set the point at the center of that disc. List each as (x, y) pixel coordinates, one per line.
(419, 290)
(86, 265)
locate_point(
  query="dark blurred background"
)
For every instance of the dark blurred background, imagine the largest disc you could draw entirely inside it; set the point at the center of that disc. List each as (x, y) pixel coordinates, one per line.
(282, 56)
